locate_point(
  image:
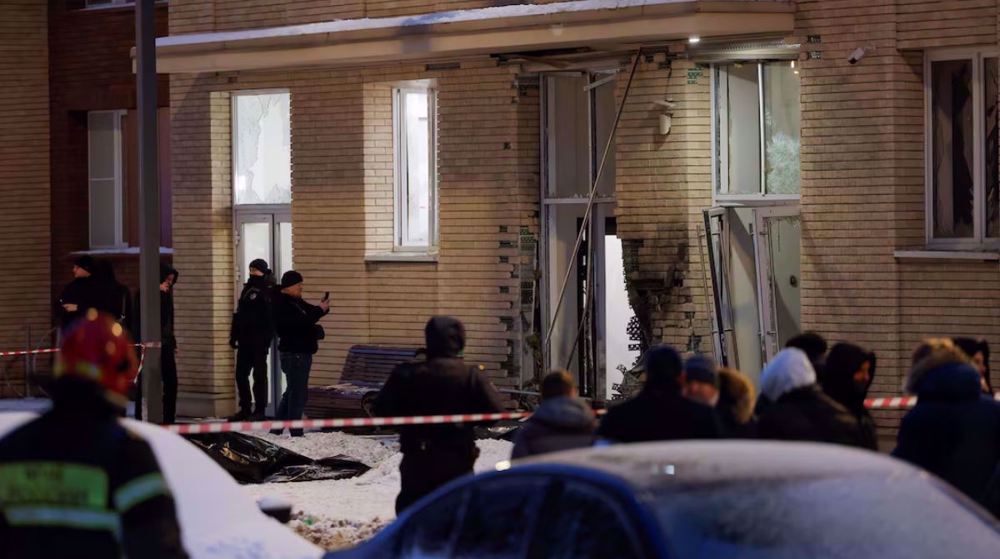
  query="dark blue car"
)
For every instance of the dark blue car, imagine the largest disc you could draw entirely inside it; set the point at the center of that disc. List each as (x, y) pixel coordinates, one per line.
(694, 500)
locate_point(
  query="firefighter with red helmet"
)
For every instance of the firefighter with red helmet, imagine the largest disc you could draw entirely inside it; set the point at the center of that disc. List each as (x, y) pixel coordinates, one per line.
(75, 482)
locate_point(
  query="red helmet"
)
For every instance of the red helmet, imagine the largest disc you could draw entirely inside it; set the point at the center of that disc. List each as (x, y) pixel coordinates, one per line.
(99, 350)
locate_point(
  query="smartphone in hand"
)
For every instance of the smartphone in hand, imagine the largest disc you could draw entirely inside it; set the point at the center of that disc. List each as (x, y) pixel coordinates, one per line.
(326, 296)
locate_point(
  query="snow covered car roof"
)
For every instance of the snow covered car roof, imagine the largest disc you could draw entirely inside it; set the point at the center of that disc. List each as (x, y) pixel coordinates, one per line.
(218, 519)
(679, 463)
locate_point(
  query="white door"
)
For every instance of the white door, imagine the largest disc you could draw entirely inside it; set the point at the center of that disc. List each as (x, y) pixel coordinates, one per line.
(777, 239)
(264, 232)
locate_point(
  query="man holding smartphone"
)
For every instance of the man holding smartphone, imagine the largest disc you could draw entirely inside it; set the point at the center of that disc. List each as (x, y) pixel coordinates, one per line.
(296, 322)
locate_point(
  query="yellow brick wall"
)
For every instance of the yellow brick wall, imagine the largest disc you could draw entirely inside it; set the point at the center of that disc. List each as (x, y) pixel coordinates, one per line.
(863, 184)
(341, 210)
(24, 178)
(662, 185)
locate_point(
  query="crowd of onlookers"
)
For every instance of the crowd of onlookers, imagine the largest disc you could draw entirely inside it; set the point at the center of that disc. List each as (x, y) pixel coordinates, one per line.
(807, 393)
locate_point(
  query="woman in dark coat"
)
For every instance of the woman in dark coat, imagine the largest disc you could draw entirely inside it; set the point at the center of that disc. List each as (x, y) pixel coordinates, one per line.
(800, 410)
(846, 377)
(954, 431)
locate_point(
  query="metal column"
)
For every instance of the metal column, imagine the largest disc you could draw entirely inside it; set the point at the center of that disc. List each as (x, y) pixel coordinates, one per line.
(149, 204)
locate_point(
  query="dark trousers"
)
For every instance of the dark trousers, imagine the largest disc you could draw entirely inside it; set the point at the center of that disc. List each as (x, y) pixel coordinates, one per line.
(252, 357)
(295, 367)
(168, 368)
(168, 374)
(423, 471)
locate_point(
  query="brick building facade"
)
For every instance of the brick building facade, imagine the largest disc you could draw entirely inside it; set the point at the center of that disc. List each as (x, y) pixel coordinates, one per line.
(72, 56)
(829, 214)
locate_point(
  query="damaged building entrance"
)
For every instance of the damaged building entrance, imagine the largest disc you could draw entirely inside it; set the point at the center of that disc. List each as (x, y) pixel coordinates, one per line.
(589, 329)
(755, 256)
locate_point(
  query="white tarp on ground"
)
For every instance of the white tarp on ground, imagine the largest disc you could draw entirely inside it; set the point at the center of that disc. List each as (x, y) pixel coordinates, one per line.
(218, 519)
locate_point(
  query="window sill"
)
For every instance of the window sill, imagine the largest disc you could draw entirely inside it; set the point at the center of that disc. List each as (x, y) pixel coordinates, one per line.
(987, 256)
(122, 251)
(415, 257)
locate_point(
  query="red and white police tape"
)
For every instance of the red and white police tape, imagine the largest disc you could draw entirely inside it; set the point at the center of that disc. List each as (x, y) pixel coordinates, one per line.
(898, 402)
(221, 427)
(56, 350)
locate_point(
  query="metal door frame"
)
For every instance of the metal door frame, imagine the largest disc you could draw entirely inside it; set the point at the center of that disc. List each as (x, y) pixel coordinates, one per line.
(272, 215)
(765, 275)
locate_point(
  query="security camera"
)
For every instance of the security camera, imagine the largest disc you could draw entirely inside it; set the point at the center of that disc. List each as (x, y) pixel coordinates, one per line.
(859, 53)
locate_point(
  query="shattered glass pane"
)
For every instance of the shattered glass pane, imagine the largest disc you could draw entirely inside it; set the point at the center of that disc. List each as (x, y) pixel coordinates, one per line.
(263, 155)
(781, 127)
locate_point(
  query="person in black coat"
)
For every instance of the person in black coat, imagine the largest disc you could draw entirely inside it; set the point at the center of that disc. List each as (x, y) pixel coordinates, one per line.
(563, 421)
(79, 295)
(433, 455)
(168, 344)
(954, 430)
(296, 323)
(800, 410)
(660, 412)
(846, 378)
(114, 297)
(251, 335)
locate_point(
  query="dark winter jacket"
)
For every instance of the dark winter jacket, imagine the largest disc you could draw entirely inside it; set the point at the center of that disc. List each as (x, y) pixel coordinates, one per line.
(82, 292)
(807, 414)
(558, 424)
(295, 323)
(443, 384)
(252, 321)
(954, 431)
(800, 410)
(114, 298)
(837, 380)
(73, 478)
(659, 415)
(168, 337)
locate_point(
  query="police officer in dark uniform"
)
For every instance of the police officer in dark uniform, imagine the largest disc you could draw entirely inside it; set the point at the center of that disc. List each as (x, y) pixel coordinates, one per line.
(251, 335)
(75, 483)
(79, 295)
(433, 455)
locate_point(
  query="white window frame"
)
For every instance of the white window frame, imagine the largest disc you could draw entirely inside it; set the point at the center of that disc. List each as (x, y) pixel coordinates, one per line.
(400, 241)
(119, 178)
(979, 241)
(233, 136)
(720, 180)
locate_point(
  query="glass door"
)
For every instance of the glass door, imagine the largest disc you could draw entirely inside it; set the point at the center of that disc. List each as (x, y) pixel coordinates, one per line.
(264, 233)
(777, 243)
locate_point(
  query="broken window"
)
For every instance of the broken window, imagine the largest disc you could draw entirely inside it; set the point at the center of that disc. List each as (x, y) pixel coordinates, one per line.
(262, 158)
(964, 155)
(757, 128)
(415, 167)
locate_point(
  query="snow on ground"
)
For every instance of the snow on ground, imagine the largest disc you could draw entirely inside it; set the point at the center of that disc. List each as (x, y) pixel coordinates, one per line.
(340, 513)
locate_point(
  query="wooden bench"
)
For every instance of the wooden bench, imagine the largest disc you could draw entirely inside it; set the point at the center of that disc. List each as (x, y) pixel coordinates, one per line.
(366, 369)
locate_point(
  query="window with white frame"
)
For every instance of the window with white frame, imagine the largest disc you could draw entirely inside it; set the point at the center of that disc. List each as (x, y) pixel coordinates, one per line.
(962, 97)
(105, 173)
(262, 148)
(756, 128)
(415, 167)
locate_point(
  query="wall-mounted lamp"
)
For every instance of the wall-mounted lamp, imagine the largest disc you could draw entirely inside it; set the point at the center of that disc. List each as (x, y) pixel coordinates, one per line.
(666, 119)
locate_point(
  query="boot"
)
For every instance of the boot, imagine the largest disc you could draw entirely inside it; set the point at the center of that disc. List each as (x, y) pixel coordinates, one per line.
(242, 415)
(257, 415)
